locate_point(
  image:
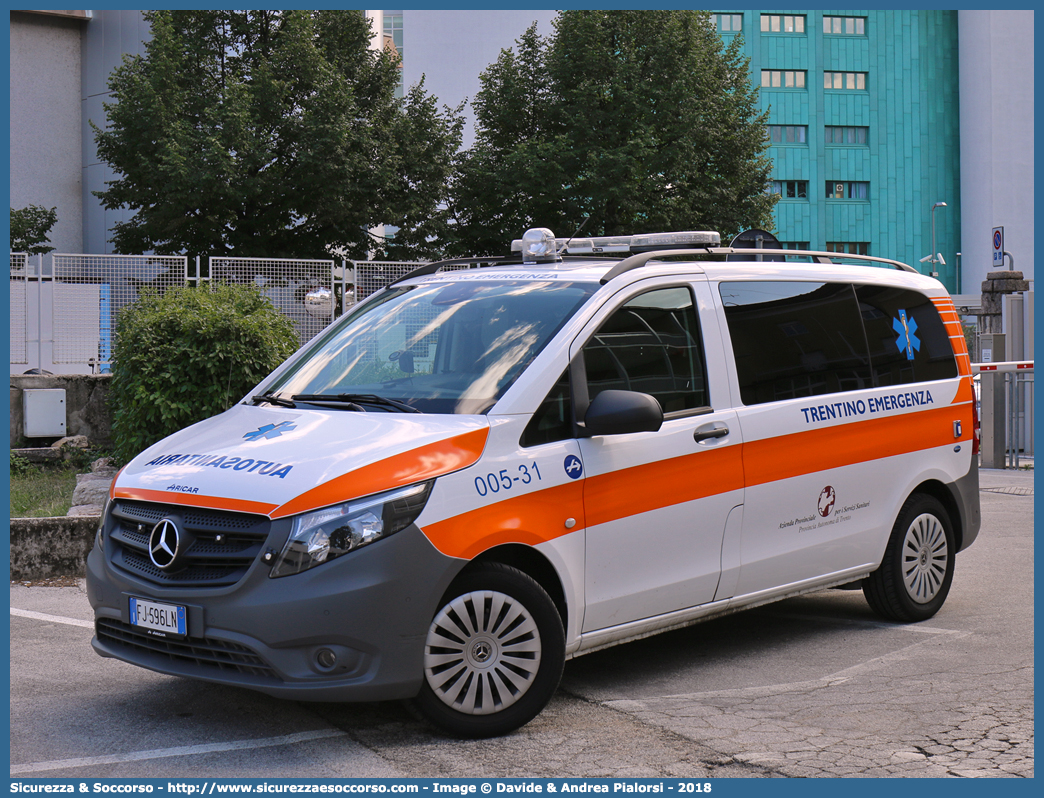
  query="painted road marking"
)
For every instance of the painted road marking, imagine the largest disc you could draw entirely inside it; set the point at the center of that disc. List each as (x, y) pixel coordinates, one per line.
(40, 616)
(185, 750)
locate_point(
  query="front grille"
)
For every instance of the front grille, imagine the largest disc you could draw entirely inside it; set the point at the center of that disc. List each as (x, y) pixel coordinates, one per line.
(204, 652)
(219, 546)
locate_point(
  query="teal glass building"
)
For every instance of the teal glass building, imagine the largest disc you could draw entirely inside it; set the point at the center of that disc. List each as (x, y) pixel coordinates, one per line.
(863, 126)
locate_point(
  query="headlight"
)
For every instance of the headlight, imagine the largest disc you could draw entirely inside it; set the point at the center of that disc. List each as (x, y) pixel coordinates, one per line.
(326, 534)
(99, 538)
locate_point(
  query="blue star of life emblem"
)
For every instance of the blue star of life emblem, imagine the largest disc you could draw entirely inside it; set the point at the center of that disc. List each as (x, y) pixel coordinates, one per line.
(270, 431)
(905, 329)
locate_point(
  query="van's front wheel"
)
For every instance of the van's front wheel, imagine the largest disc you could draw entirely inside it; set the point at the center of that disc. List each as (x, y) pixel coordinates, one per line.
(915, 574)
(493, 656)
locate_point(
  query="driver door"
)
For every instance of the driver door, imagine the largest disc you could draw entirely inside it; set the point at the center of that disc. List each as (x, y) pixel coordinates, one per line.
(656, 503)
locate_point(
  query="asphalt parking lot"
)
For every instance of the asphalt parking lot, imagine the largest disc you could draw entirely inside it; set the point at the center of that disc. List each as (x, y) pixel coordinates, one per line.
(812, 686)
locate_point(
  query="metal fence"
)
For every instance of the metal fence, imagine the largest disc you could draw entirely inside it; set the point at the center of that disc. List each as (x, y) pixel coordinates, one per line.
(373, 275)
(63, 307)
(19, 311)
(89, 291)
(309, 292)
(1004, 395)
(1019, 423)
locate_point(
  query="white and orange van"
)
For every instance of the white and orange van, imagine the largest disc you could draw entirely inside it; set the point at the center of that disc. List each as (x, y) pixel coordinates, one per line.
(479, 473)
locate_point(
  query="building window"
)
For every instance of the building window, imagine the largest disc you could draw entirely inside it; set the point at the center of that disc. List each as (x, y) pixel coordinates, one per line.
(790, 189)
(782, 79)
(727, 23)
(848, 247)
(788, 134)
(844, 80)
(847, 189)
(795, 245)
(777, 23)
(846, 135)
(393, 38)
(845, 26)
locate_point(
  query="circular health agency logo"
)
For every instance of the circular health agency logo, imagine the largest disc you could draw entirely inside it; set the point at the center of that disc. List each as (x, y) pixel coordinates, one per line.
(827, 497)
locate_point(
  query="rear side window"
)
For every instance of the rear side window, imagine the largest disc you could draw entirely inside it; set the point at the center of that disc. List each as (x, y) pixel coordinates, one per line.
(907, 339)
(794, 339)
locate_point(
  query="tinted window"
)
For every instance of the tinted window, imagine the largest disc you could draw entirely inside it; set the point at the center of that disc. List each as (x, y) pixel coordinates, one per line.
(907, 339)
(652, 345)
(795, 339)
(553, 420)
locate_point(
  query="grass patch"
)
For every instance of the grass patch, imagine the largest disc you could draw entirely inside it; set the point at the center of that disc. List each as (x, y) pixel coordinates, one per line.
(41, 491)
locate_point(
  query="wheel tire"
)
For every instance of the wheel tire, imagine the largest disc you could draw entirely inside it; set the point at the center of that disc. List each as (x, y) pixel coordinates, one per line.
(915, 574)
(493, 656)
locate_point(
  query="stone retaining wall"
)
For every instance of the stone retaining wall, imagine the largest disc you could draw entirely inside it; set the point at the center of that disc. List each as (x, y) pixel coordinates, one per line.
(45, 547)
(86, 402)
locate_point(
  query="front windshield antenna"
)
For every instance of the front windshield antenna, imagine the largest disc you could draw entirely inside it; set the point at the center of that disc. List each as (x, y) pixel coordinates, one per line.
(575, 234)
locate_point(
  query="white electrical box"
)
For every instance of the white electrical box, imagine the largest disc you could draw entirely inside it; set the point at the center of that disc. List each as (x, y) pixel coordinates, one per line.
(43, 412)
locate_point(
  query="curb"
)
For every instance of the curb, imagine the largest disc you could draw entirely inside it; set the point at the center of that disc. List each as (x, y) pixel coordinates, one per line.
(47, 547)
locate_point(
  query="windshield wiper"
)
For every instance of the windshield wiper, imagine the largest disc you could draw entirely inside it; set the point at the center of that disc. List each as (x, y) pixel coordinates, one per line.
(355, 401)
(272, 399)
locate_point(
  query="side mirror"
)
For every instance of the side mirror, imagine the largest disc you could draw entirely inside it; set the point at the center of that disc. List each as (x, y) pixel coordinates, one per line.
(620, 412)
(404, 359)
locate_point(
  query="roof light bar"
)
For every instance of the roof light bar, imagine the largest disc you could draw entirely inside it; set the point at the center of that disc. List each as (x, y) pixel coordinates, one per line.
(690, 239)
(537, 242)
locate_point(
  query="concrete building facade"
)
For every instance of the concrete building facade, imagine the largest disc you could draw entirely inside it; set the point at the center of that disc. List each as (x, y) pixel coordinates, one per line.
(45, 130)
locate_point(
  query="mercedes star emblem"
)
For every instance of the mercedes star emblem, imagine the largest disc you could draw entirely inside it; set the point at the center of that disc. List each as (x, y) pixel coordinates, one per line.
(163, 544)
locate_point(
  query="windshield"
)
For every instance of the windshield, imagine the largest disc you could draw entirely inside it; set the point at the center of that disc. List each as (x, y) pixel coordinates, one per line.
(448, 347)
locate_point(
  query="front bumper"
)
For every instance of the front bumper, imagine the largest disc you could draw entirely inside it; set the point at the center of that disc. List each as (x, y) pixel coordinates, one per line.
(370, 609)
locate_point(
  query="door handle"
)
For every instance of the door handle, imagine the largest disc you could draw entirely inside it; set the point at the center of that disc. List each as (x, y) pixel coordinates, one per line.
(710, 431)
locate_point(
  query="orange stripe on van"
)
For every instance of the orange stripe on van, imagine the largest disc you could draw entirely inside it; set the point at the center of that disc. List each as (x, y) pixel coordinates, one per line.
(539, 517)
(787, 456)
(112, 485)
(425, 462)
(952, 321)
(651, 486)
(965, 392)
(530, 519)
(194, 500)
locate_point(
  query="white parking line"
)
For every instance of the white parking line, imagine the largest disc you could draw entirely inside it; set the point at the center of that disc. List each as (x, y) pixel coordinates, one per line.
(40, 616)
(186, 750)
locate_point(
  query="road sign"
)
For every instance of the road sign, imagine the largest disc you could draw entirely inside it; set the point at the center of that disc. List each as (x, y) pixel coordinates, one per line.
(998, 246)
(755, 239)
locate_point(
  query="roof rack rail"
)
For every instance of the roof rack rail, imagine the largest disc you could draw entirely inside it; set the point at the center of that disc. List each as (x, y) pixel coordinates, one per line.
(822, 257)
(641, 259)
(819, 255)
(431, 268)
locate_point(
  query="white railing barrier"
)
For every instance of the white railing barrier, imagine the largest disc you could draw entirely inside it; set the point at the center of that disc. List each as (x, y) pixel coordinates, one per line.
(1011, 418)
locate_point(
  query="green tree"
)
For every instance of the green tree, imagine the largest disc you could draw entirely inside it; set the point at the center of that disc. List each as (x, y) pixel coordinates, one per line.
(30, 228)
(639, 121)
(274, 134)
(187, 354)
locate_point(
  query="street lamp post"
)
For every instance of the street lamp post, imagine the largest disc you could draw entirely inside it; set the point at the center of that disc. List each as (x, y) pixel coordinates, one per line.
(934, 251)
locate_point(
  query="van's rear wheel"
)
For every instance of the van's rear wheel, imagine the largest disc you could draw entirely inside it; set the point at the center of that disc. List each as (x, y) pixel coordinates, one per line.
(915, 574)
(493, 656)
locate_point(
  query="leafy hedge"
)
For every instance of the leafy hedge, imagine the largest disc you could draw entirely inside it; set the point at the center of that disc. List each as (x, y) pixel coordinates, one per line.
(187, 354)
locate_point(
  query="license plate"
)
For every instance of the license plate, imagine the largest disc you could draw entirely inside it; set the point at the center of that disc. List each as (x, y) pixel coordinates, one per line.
(157, 617)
